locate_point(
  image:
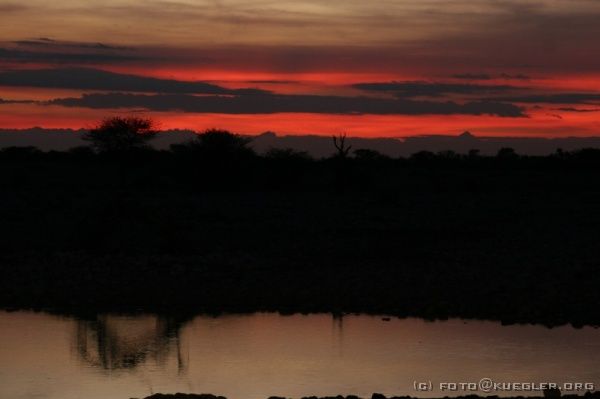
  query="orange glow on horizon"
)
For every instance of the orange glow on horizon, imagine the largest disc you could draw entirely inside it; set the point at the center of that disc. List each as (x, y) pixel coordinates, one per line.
(540, 124)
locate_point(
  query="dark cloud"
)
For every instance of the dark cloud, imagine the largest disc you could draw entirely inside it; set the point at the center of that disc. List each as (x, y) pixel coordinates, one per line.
(560, 98)
(63, 57)
(44, 43)
(571, 109)
(280, 82)
(485, 76)
(96, 79)
(3, 101)
(47, 42)
(518, 76)
(50, 51)
(431, 89)
(274, 103)
(472, 76)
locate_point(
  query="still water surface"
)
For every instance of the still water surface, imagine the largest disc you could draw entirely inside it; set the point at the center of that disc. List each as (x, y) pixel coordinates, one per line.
(255, 356)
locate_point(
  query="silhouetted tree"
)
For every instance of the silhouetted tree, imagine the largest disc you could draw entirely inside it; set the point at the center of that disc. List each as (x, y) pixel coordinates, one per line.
(341, 168)
(423, 156)
(216, 144)
(20, 152)
(560, 154)
(448, 155)
(121, 134)
(340, 145)
(507, 153)
(364, 154)
(287, 154)
(587, 154)
(474, 153)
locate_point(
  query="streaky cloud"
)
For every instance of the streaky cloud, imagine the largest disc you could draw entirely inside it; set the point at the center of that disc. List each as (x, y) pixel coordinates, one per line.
(473, 76)
(4, 101)
(581, 110)
(558, 98)
(63, 57)
(431, 89)
(276, 103)
(485, 76)
(518, 76)
(47, 42)
(96, 79)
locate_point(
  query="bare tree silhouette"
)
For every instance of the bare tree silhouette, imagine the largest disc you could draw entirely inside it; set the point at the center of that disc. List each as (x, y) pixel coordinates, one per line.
(340, 145)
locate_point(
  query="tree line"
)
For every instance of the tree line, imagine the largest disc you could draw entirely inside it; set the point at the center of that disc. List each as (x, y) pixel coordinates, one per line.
(131, 134)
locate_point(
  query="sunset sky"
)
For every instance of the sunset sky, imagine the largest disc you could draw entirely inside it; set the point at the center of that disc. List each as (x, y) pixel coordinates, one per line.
(369, 68)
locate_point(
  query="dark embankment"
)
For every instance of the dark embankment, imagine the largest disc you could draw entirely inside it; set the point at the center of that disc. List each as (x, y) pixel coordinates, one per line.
(507, 238)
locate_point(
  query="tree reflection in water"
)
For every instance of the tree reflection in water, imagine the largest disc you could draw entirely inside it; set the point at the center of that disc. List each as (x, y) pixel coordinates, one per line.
(120, 342)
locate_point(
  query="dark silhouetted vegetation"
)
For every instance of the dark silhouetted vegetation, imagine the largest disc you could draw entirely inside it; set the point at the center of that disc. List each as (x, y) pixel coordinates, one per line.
(217, 146)
(121, 134)
(339, 142)
(211, 226)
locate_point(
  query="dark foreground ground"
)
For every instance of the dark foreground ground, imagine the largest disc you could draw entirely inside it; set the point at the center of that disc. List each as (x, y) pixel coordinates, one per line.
(515, 240)
(587, 395)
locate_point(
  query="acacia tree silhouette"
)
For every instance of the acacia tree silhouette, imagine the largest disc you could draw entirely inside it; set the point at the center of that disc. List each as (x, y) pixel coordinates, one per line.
(121, 134)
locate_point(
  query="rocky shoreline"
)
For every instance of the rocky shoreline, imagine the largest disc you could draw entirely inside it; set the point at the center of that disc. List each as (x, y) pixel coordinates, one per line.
(546, 394)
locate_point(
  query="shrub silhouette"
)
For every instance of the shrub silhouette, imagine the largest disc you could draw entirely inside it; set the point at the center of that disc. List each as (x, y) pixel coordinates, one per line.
(448, 155)
(507, 153)
(215, 144)
(587, 154)
(474, 153)
(121, 134)
(287, 154)
(20, 152)
(367, 155)
(423, 156)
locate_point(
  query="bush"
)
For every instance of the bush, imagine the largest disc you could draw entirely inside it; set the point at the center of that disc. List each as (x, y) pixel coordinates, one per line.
(121, 134)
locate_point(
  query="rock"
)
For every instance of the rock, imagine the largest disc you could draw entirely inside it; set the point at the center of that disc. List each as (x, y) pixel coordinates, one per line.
(552, 393)
(184, 396)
